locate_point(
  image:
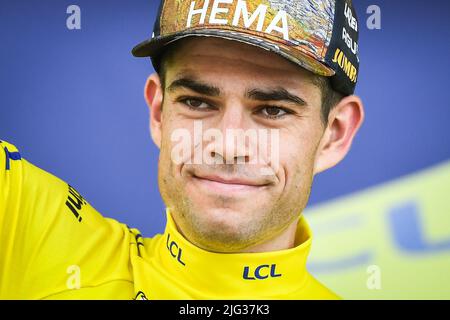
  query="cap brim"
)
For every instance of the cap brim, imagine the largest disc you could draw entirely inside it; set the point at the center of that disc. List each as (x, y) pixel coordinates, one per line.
(152, 47)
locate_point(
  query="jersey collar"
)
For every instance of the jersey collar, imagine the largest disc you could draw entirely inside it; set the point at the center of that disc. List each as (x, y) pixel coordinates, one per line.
(237, 275)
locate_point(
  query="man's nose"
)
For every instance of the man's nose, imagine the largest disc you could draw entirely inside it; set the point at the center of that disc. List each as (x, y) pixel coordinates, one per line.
(239, 138)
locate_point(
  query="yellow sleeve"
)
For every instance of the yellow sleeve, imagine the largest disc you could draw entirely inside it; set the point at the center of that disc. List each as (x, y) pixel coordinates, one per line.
(52, 240)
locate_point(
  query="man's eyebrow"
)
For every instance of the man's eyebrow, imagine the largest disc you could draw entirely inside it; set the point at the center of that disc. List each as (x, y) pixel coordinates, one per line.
(194, 85)
(277, 94)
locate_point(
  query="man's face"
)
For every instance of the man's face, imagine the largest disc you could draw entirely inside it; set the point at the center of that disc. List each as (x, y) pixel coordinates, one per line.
(224, 195)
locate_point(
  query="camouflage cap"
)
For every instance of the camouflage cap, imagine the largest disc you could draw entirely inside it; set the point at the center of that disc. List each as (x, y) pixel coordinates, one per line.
(318, 35)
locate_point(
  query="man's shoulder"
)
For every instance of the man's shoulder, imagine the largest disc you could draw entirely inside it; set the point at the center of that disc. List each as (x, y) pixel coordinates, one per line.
(8, 154)
(54, 233)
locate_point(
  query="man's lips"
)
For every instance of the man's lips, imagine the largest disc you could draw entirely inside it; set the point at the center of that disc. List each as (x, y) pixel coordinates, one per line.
(220, 184)
(231, 180)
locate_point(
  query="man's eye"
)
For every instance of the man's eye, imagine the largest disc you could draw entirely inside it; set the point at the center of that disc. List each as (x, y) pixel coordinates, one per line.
(273, 112)
(195, 104)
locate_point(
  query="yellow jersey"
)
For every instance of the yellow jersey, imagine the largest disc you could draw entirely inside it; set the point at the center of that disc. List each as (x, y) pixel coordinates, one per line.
(55, 245)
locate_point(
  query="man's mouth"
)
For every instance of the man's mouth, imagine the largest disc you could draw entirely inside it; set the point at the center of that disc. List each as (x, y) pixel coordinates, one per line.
(227, 185)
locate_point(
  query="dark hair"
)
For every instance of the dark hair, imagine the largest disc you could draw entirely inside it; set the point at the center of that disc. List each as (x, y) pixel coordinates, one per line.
(330, 97)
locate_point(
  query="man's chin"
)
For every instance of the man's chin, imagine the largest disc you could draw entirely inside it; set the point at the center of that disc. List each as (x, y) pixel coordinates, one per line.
(223, 229)
(214, 220)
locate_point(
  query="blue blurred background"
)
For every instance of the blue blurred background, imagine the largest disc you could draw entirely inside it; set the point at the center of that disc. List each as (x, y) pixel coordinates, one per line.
(72, 100)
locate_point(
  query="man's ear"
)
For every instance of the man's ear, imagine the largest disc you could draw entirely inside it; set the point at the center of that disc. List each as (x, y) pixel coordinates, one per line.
(344, 121)
(153, 93)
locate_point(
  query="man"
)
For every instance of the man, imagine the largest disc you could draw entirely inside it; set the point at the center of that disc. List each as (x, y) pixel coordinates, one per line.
(251, 100)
